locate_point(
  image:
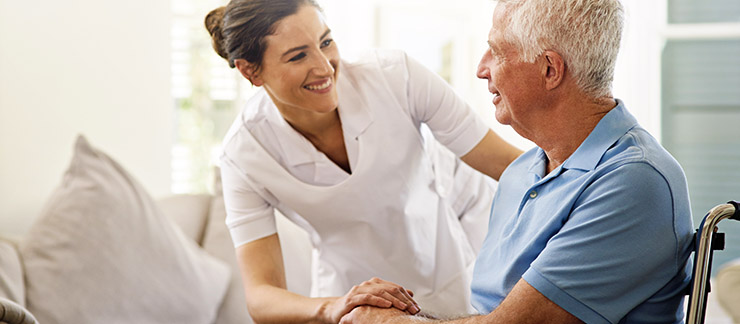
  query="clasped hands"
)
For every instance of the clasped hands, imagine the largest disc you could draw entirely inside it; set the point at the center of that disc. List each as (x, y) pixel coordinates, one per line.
(386, 299)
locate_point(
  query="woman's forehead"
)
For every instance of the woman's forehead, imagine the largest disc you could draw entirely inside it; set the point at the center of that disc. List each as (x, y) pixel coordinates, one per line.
(308, 24)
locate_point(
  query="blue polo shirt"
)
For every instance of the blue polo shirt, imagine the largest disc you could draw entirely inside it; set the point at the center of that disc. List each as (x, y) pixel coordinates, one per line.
(606, 235)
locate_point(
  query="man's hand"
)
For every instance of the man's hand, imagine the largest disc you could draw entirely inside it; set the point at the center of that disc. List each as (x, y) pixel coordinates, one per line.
(371, 315)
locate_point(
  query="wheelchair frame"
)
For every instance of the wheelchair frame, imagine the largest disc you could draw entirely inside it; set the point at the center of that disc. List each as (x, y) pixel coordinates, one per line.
(706, 240)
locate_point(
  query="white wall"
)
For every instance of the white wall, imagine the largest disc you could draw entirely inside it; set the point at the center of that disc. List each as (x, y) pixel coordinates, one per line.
(80, 66)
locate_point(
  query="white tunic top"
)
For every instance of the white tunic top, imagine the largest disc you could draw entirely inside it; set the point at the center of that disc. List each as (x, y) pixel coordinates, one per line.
(397, 216)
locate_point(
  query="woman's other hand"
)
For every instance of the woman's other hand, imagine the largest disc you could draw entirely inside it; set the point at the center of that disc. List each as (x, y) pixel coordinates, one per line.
(374, 292)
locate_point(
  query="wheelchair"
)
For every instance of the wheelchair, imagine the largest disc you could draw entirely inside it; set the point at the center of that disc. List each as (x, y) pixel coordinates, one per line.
(706, 241)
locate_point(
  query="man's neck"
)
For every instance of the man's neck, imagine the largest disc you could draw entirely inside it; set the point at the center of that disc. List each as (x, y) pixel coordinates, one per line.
(569, 124)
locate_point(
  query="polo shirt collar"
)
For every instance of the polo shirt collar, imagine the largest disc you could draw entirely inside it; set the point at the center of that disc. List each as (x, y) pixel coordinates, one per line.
(612, 126)
(353, 111)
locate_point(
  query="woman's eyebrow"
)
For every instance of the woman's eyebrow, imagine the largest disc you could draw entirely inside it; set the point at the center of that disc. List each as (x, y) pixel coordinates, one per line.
(303, 47)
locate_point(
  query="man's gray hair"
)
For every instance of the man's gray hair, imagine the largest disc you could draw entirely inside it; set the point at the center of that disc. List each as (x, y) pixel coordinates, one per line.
(586, 33)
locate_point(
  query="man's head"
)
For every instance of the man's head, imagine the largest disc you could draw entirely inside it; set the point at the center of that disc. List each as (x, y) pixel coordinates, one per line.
(538, 46)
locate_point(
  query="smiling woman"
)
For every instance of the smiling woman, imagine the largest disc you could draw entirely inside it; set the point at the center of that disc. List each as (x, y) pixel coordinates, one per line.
(338, 147)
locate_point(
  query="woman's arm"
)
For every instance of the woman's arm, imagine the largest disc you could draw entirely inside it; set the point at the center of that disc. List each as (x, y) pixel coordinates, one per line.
(454, 124)
(269, 301)
(491, 155)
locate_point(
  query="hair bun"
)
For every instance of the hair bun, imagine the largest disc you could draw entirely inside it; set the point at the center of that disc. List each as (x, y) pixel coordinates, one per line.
(214, 24)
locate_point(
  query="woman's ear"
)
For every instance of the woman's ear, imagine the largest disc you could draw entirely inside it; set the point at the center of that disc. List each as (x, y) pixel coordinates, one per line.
(248, 71)
(554, 69)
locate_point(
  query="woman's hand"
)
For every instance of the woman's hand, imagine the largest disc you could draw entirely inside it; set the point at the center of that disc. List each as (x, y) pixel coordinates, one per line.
(374, 292)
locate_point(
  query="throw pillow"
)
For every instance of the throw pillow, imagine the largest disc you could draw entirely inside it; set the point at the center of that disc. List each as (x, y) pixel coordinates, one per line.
(102, 252)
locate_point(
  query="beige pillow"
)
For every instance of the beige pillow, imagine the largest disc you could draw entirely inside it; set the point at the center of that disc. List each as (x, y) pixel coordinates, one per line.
(102, 252)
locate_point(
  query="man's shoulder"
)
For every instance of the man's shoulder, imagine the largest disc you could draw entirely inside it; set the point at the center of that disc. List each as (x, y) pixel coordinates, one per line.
(637, 146)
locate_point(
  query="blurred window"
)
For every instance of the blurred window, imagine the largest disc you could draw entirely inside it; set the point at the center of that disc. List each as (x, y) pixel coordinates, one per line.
(701, 105)
(703, 11)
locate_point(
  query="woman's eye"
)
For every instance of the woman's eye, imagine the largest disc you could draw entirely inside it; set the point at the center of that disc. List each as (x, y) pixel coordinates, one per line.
(297, 57)
(326, 42)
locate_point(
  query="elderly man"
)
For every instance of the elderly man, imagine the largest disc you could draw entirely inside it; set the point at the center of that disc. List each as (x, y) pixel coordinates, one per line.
(593, 225)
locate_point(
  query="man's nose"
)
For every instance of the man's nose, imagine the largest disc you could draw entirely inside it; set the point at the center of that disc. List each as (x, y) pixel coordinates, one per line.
(483, 71)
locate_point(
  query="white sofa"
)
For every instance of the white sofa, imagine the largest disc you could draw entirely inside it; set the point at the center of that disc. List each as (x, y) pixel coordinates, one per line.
(103, 251)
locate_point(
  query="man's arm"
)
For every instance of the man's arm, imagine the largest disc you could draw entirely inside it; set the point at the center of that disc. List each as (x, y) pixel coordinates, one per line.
(524, 304)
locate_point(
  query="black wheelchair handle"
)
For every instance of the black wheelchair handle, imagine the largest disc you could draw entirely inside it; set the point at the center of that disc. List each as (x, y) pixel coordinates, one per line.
(736, 215)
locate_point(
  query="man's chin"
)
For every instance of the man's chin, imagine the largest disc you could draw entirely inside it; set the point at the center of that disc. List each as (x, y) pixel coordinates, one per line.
(502, 118)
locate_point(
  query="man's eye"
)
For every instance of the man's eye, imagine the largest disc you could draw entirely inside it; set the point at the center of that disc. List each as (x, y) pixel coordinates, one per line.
(297, 57)
(326, 42)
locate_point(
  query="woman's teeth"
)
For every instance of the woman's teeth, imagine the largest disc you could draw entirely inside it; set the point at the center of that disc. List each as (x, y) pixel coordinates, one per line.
(320, 86)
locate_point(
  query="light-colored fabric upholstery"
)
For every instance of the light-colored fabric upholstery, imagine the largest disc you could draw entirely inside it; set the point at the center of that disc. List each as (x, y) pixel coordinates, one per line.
(294, 242)
(11, 274)
(218, 243)
(12, 313)
(103, 252)
(189, 212)
(727, 288)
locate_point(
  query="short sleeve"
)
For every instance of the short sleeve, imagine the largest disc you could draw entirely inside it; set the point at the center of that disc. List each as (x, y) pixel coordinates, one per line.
(248, 216)
(434, 102)
(618, 247)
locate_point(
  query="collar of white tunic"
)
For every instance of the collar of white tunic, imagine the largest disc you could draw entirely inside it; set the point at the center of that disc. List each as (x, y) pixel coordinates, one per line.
(294, 152)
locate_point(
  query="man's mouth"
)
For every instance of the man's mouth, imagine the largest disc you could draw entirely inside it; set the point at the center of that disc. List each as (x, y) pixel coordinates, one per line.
(319, 87)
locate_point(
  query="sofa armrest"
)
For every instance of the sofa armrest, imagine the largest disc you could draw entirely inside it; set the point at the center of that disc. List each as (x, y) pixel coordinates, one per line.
(12, 313)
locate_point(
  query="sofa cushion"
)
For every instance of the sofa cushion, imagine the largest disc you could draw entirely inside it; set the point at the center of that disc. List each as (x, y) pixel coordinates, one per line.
(11, 273)
(728, 289)
(294, 243)
(102, 252)
(189, 212)
(217, 242)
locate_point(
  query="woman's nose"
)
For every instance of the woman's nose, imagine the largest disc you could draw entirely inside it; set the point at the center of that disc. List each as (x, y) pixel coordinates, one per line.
(323, 65)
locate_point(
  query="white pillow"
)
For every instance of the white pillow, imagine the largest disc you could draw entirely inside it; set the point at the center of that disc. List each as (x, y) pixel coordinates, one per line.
(102, 252)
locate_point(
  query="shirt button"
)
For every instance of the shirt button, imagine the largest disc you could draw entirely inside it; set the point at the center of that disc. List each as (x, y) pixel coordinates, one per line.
(533, 194)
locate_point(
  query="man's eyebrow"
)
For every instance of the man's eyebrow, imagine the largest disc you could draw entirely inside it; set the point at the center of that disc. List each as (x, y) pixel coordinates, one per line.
(491, 45)
(303, 47)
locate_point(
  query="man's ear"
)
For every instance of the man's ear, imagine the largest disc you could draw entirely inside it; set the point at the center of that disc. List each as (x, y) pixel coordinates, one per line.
(248, 71)
(554, 69)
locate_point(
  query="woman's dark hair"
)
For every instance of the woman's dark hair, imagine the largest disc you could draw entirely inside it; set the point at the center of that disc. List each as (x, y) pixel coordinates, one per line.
(238, 30)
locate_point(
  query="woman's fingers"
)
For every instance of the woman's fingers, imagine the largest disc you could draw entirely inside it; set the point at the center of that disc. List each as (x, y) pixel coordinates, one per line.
(399, 296)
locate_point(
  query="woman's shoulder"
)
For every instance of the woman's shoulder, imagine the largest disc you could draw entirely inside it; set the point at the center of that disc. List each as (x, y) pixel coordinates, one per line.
(256, 112)
(378, 59)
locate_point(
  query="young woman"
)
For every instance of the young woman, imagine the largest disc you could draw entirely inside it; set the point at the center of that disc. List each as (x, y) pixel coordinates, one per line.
(339, 148)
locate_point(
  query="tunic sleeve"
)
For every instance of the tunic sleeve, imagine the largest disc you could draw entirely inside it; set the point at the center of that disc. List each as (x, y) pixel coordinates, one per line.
(248, 216)
(434, 102)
